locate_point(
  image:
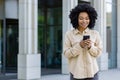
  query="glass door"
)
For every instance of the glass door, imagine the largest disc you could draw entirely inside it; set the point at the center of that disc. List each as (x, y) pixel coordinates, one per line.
(8, 45)
(11, 45)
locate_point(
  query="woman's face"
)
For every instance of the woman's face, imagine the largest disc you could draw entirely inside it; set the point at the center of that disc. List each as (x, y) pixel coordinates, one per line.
(83, 20)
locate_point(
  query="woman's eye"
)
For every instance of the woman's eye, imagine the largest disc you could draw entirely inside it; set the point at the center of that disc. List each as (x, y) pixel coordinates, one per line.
(87, 18)
(84, 18)
(81, 18)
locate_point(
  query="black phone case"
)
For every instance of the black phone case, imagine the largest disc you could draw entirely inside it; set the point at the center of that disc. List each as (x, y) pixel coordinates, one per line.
(86, 37)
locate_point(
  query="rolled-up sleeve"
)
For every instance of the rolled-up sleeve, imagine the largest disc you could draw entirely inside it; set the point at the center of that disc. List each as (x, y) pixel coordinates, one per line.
(69, 49)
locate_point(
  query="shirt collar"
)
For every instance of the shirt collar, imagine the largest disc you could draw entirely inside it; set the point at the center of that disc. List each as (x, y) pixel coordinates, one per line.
(76, 31)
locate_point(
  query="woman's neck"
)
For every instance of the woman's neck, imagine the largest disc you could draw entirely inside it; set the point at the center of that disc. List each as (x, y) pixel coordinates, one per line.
(81, 29)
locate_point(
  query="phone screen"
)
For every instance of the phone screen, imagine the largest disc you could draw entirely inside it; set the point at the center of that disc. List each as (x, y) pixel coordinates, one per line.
(86, 37)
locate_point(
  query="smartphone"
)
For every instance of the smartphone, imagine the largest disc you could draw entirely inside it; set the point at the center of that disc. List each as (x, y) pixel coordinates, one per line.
(86, 37)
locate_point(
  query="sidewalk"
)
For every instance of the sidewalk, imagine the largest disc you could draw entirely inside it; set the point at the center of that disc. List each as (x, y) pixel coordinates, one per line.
(103, 75)
(110, 75)
(113, 74)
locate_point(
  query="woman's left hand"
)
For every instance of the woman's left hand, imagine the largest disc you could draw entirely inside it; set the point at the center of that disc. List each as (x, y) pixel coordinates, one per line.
(88, 43)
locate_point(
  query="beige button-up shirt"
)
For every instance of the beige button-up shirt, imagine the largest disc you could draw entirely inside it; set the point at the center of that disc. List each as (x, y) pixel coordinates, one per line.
(82, 62)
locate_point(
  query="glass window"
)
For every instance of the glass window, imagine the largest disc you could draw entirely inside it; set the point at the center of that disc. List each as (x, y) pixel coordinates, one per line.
(50, 35)
(111, 13)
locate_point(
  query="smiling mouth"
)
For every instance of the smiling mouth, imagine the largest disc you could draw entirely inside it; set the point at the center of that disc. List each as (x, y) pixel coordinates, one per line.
(84, 24)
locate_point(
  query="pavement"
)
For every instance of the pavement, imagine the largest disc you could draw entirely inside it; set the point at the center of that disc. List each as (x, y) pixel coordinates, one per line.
(113, 74)
(110, 75)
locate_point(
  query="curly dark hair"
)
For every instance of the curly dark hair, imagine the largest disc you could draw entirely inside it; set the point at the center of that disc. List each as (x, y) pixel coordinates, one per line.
(74, 13)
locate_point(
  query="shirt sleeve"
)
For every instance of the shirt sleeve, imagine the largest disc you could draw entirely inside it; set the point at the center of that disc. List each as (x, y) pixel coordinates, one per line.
(96, 48)
(70, 50)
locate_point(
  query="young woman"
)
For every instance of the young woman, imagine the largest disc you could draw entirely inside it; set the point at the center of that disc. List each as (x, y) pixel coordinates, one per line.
(83, 44)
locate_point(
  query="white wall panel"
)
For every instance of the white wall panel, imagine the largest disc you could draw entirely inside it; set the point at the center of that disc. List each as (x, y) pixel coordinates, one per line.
(11, 9)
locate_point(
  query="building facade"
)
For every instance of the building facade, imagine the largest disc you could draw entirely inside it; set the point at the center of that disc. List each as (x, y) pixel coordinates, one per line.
(32, 34)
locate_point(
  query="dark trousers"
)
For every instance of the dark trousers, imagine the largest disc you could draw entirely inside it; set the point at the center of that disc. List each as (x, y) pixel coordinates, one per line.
(94, 78)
